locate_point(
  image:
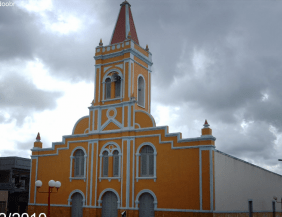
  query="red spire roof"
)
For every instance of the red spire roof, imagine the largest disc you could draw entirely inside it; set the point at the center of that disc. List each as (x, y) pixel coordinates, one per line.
(124, 25)
(38, 137)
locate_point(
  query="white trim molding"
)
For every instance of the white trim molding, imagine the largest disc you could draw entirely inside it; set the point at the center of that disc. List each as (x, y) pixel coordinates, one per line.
(83, 138)
(76, 191)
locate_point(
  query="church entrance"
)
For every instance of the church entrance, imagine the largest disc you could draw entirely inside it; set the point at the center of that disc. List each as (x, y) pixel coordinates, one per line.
(76, 207)
(109, 205)
(146, 207)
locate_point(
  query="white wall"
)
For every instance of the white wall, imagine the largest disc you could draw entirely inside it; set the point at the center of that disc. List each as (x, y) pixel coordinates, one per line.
(237, 181)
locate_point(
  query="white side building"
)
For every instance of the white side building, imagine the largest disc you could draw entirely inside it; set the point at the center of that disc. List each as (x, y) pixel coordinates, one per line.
(241, 187)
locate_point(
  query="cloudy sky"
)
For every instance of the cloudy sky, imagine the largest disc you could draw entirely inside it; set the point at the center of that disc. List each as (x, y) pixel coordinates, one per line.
(219, 60)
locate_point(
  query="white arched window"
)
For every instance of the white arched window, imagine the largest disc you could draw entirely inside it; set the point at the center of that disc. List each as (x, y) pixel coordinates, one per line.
(115, 163)
(141, 91)
(147, 161)
(112, 84)
(108, 88)
(105, 164)
(79, 163)
(110, 160)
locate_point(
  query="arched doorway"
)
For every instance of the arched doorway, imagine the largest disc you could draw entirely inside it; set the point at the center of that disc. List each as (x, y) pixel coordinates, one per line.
(146, 205)
(76, 207)
(109, 205)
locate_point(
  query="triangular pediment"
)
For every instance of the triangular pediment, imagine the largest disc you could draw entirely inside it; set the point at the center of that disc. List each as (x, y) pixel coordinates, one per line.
(111, 126)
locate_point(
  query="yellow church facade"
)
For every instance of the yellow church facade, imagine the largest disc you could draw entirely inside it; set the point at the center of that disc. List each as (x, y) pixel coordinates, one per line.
(117, 159)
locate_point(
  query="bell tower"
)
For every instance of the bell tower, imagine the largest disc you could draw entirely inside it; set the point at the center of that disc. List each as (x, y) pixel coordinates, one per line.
(123, 68)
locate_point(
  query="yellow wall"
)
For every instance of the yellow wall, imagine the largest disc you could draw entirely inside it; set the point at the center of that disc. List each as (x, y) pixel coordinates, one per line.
(206, 180)
(82, 125)
(141, 50)
(177, 171)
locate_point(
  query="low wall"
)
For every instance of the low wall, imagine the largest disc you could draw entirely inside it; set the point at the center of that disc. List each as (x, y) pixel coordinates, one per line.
(59, 211)
(245, 214)
(65, 211)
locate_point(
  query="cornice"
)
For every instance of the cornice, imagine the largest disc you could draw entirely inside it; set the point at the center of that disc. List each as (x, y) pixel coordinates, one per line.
(120, 53)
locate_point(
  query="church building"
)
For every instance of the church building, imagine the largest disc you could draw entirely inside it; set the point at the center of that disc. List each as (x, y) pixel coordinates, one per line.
(117, 159)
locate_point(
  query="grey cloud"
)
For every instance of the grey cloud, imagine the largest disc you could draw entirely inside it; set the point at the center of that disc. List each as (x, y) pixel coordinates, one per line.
(19, 34)
(24, 36)
(27, 145)
(16, 153)
(20, 98)
(241, 38)
(256, 144)
(243, 46)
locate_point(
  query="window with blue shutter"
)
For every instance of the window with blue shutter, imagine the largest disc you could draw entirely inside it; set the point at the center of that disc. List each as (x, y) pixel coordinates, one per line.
(151, 165)
(105, 164)
(76, 168)
(117, 87)
(115, 163)
(108, 88)
(147, 161)
(144, 164)
(79, 163)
